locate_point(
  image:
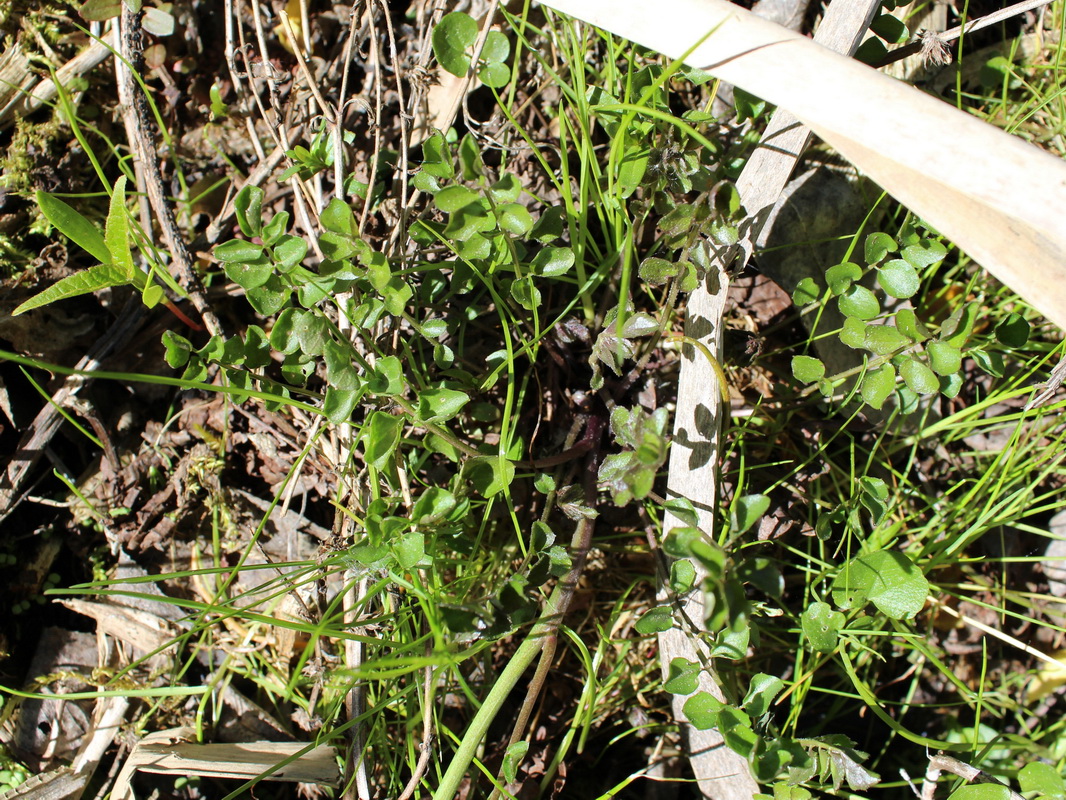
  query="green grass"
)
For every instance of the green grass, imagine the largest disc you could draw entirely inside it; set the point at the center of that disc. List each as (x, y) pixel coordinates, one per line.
(444, 573)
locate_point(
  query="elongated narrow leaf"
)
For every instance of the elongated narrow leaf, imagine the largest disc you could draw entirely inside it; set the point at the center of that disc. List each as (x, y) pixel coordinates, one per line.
(74, 226)
(117, 231)
(102, 276)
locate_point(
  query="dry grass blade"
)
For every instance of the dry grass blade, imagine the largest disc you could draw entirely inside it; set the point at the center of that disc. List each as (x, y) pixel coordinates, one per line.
(171, 752)
(138, 629)
(694, 456)
(996, 197)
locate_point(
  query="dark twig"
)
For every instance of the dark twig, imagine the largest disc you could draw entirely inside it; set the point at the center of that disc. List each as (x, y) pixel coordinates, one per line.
(133, 52)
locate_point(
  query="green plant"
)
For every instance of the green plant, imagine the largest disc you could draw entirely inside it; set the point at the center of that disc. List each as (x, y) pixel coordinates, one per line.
(905, 343)
(111, 248)
(453, 43)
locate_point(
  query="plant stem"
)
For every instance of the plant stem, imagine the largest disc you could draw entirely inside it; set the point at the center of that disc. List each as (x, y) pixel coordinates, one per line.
(541, 638)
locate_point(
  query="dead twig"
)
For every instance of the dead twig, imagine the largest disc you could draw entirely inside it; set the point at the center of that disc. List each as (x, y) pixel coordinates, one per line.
(132, 50)
(938, 42)
(943, 763)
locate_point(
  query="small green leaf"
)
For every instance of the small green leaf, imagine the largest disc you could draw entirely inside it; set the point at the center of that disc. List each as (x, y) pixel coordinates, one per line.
(890, 28)
(152, 295)
(821, 626)
(655, 620)
(269, 298)
(924, 254)
(683, 509)
(883, 339)
(761, 693)
(886, 578)
(512, 760)
(238, 250)
(552, 262)
(951, 385)
(703, 709)
(100, 10)
(898, 278)
(683, 676)
(410, 550)
(735, 727)
(514, 219)
(283, 335)
(453, 198)
(387, 377)
(312, 331)
(550, 226)
(853, 333)
(248, 206)
(1036, 776)
(945, 359)
(746, 511)
(506, 190)
(178, 349)
(1013, 331)
(748, 106)
(918, 377)
(525, 293)
(340, 403)
(439, 405)
(381, 436)
(958, 327)
(289, 252)
(657, 271)
(249, 274)
(453, 37)
(907, 323)
(878, 245)
(878, 385)
(473, 167)
(807, 369)
(871, 51)
(989, 361)
(840, 277)
(490, 474)
(682, 577)
(497, 47)
(807, 291)
(338, 217)
(874, 497)
(858, 301)
(437, 159)
(101, 276)
(494, 75)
